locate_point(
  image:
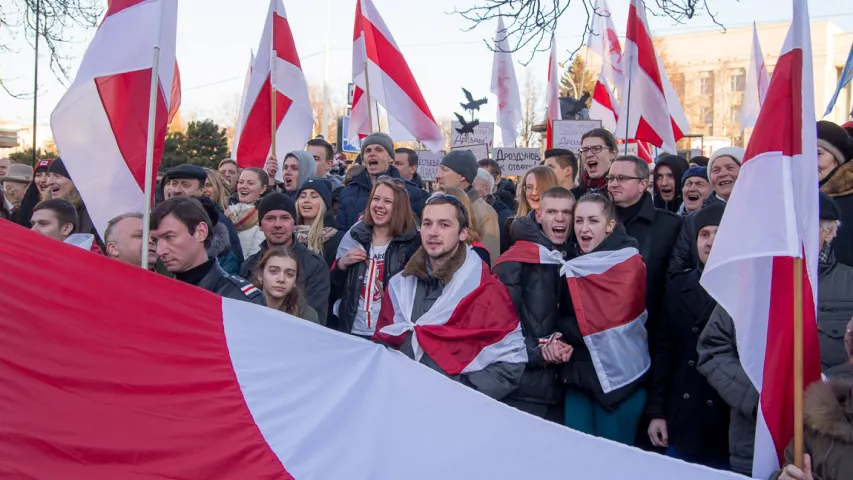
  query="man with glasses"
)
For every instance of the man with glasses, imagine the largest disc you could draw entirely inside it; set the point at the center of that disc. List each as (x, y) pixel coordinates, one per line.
(445, 289)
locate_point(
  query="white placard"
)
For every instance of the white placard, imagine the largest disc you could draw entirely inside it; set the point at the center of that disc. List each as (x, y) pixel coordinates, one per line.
(480, 151)
(633, 149)
(568, 133)
(428, 164)
(484, 133)
(515, 161)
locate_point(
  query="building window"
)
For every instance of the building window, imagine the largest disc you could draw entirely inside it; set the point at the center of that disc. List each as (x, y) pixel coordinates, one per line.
(734, 115)
(737, 82)
(706, 84)
(706, 114)
(677, 81)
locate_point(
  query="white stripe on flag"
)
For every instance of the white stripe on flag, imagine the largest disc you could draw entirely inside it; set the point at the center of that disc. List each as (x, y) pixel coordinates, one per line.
(620, 354)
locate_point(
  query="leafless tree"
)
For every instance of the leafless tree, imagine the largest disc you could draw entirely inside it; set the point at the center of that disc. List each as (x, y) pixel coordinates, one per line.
(532, 22)
(56, 17)
(532, 112)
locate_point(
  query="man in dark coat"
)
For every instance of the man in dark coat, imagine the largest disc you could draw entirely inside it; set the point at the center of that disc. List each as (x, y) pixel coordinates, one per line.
(687, 415)
(378, 151)
(277, 218)
(536, 291)
(667, 187)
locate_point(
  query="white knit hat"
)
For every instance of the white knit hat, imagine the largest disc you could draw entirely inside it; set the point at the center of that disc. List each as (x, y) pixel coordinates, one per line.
(736, 153)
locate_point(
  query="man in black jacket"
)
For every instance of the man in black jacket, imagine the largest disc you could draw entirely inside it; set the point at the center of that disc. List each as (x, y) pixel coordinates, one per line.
(180, 229)
(536, 290)
(277, 214)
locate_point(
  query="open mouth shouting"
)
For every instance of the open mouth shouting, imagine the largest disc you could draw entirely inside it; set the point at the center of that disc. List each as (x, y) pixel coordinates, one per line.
(693, 196)
(592, 165)
(585, 241)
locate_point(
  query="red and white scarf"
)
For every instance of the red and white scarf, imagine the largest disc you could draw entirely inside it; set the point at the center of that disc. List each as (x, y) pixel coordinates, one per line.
(472, 325)
(608, 291)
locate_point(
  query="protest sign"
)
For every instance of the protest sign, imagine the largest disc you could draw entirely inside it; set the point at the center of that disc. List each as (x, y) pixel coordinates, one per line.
(484, 133)
(515, 161)
(568, 133)
(428, 164)
(480, 151)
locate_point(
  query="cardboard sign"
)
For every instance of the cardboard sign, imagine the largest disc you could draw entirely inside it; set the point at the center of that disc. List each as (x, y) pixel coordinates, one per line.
(515, 161)
(484, 133)
(428, 164)
(568, 133)
(480, 151)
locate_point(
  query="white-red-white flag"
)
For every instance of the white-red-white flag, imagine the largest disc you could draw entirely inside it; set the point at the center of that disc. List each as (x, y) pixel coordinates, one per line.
(651, 111)
(276, 68)
(604, 41)
(757, 82)
(241, 112)
(505, 87)
(770, 220)
(100, 125)
(552, 94)
(392, 84)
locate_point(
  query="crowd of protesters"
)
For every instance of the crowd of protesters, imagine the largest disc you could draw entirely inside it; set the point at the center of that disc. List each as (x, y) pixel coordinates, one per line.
(325, 247)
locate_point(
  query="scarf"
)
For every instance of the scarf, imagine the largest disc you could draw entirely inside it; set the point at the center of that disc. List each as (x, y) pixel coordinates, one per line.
(302, 233)
(596, 183)
(243, 216)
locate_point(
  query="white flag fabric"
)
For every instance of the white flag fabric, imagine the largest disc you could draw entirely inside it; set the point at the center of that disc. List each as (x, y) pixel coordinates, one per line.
(505, 87)
(129, 374)
(757, 81)
(241, 111)
(604, 41)
(100, 125)
(552, 94)
(276, 68)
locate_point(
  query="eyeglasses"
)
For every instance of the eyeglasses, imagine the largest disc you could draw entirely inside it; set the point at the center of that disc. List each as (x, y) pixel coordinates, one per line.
(622, 178)
(596, 149)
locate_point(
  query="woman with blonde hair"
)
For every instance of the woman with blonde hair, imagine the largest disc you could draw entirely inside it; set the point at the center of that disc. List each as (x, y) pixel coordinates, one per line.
(475, 230)
(315, 220)
(216, 188)
(533, 184)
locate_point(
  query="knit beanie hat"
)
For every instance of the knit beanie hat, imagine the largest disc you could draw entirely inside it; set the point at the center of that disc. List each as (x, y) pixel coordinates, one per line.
(276, 201)
(736, 153)
(58, 167)
(709, 215)
(462, 162)
(43, 164)
(211, 210)
(321, 186)
(378, 138)
(828, 208)
(835, 140)
(701, 172)
(307, 166)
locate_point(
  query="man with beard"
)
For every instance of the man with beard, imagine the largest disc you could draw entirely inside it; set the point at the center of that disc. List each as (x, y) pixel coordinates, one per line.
(695, 190)
(540, 296)
(442, 275)
(180, 229)
(277, 214)
(667, 182)
(377, 151)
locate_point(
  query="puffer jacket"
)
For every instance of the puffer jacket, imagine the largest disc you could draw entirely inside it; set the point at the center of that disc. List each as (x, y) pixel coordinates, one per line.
(678, 166)
(720, 364)
(354, 197)
(536, 291)
(684, 254)
(220, 249)
(579, 372)
(834, 309)
(828, 433)
(347, 284)
(839, 186)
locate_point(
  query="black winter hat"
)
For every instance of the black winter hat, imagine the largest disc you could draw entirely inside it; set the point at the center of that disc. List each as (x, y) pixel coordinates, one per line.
(462, 162)
(709, 215)
(835, 140)
(58, 167)
(186, 171)
(828, 208)
(276, 201)
(321, 186)
(210, 208)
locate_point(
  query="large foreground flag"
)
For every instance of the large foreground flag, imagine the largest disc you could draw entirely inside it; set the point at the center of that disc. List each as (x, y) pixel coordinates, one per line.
(276, 68)
(127, 374)
(846, 77)
(652, 111)
(392, 84)
(505, 87)
(100, 125)
(771, 219)
(552, 95)
(757, 82)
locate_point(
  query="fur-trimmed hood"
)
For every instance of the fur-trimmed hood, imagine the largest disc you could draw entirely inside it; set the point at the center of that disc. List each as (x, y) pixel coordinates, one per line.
(828, 410)
(839, 182)
(220, 242)
(417, 265)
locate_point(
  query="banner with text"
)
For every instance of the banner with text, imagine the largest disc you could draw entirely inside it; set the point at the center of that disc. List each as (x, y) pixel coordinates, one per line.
(428, 164)
(515, 161)
(484, 133)
(568, 133)
(480, 151)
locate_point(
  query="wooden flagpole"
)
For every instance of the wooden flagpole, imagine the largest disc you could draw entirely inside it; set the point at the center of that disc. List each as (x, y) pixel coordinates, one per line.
(798, 362)
(272, 107)
(369, 105)
(149, 147)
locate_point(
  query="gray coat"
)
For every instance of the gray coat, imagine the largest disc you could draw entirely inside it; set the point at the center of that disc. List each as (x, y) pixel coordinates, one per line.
(834, 309)
(720, 364)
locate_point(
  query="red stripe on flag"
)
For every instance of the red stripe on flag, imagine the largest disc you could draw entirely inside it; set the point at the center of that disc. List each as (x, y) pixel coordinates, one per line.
(549, 133)
(610, 299)
(256, 136)
(115, 6)
(784, 100)
(647, 133)
(175, 94)
(382, 52)
(602, 95)
(133, 379)
(125, 100)
(646, 56)
(282, 41)
(777, 393)
(357, 28)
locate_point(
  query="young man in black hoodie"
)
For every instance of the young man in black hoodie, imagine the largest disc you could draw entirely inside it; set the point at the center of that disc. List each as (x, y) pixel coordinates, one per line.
(667, 187)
